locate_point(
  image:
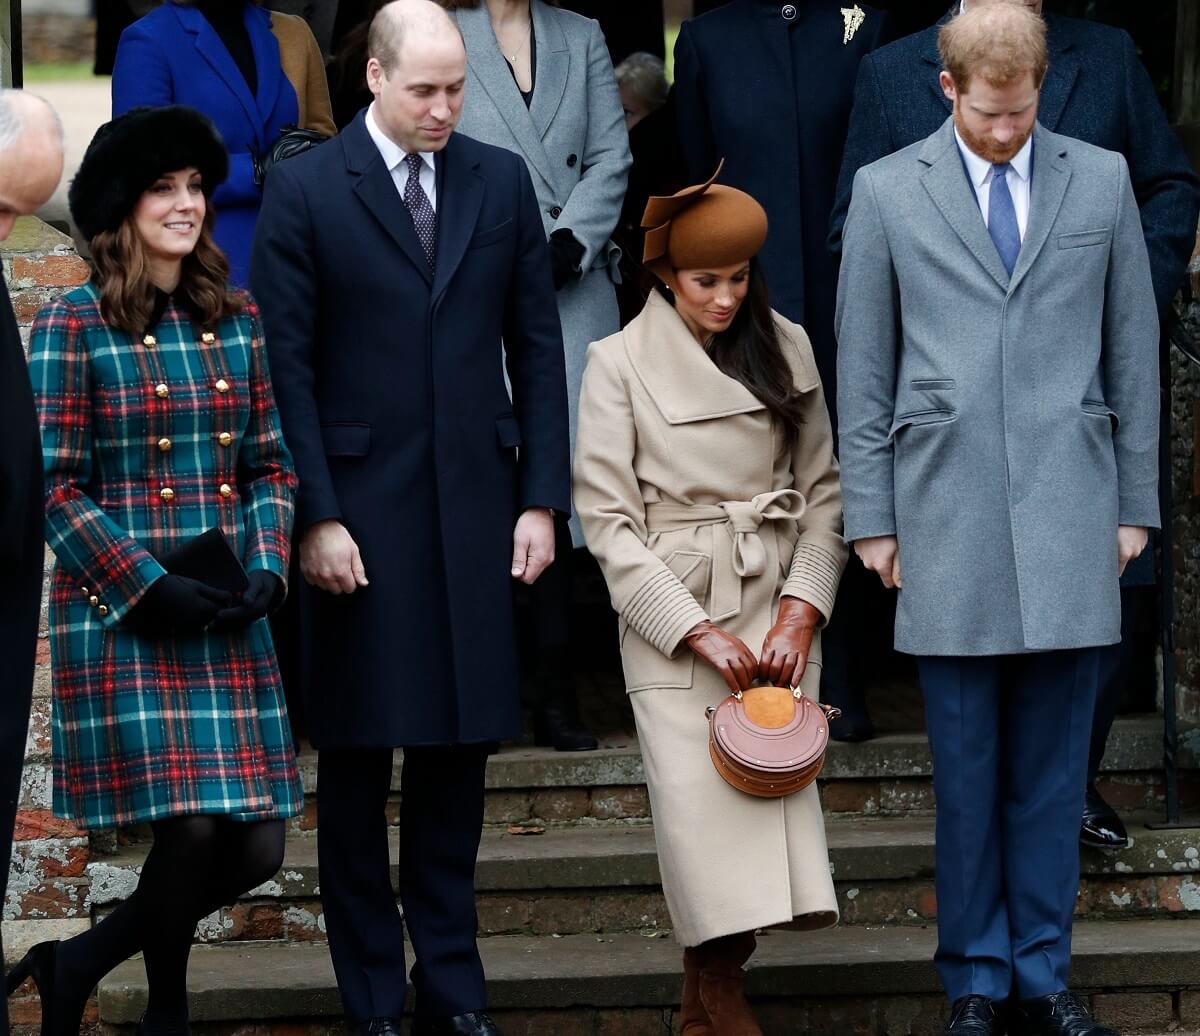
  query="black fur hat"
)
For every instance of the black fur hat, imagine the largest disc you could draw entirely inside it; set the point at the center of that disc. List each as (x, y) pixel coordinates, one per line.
(129, 153)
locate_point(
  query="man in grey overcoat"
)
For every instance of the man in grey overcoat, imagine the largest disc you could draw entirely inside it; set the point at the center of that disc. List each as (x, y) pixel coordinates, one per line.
(998, 390)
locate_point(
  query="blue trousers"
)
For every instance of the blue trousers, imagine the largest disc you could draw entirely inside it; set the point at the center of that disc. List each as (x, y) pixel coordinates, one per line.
(1010, 738)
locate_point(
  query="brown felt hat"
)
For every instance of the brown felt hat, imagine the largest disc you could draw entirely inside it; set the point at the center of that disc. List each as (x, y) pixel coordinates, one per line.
(702, 227)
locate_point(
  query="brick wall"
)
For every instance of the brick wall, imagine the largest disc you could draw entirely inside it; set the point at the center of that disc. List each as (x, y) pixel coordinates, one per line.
(47, 885)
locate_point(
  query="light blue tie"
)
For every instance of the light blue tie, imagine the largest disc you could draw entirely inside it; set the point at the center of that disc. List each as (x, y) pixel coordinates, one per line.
(1002, 218)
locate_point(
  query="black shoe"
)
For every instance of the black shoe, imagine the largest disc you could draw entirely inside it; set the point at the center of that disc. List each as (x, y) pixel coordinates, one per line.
(476, 1023)
(58, 1017)
(557, 723)
(1102, 828)
(973, 1016)
(854, 724)
(180, 1029)
(1060, 1014)
(379, 1027)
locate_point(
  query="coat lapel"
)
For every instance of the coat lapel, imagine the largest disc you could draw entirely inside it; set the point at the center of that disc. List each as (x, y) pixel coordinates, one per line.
(214, 52)
(377, 191)
(1048, 187)
(677, 374)
(946, 182)
(460, 196)
(932, 60)
(266, 61)
(491, 74)
(1060, 76)
(553, 66)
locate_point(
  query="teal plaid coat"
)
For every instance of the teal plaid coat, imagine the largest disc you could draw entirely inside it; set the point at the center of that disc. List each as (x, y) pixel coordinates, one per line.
(147, 443)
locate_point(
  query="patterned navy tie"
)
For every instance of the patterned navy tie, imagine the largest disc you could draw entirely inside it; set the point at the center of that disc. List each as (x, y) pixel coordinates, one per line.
(1002, 218)
(423, 217)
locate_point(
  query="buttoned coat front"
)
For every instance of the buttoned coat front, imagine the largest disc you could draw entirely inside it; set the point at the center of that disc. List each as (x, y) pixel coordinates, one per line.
(149, 442)
(572, 137)
(1002, 427)
(697, 506)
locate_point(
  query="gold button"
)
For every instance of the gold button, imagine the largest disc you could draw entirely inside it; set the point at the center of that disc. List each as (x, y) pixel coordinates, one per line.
(93, 600)
(222, 385)
(161, 391)
(225, 439)
(86, 591)
(226, 489)
(164, 444)
(149, 341)
(103, 610)
(167, 494)
(208, 338)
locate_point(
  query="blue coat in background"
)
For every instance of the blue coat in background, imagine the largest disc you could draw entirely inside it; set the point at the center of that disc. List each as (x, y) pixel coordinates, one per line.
(1096, 90)
(174, 56)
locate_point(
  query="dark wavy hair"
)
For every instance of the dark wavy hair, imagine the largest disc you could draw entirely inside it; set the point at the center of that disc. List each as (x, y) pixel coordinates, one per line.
(127, 293)
(749, 351)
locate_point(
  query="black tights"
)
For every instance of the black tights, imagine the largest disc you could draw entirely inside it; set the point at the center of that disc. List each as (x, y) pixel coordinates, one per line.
(196, 865)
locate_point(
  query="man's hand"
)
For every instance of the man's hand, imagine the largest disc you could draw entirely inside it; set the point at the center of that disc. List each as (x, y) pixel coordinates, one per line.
(1131, 541)
(329, 558)
(881, 555)
(533, 544)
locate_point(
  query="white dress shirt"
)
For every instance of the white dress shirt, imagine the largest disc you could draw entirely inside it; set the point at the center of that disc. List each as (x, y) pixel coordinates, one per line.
(394, 156)
(981, 172)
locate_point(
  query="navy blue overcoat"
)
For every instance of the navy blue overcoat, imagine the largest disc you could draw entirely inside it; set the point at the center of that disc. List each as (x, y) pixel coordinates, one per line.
(768, 87)
(174, 56)
(390, 384)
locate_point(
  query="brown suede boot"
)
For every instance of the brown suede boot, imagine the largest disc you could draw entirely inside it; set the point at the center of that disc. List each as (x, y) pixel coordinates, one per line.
(695, 1020)
(721, 985)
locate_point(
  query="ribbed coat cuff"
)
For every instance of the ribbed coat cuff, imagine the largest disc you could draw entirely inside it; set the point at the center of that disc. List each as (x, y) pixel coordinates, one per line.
(662, 610)
(814, 577)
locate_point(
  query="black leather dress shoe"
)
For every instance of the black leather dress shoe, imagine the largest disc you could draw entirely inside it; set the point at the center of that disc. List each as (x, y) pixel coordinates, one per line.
(379, 1027)
(1102, 828)
(973, 1016)
(1060, 1014)
(475, 1023)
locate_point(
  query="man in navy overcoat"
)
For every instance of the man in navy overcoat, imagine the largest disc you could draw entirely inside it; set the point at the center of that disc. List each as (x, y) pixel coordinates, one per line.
(1096, 90)
(390, 264)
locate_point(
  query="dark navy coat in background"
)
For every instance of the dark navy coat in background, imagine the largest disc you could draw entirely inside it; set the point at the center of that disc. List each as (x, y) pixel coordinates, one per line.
(1096, 90)
(772, 96)
(174, 56)
(390, 385)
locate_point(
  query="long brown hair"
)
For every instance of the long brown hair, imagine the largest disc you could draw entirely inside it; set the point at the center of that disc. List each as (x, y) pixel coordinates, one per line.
(127, 293)
(749, 351)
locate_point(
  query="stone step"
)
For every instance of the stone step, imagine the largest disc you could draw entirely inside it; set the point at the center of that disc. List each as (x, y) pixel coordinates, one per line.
(887, 776)
(606, 879)
(847, 980)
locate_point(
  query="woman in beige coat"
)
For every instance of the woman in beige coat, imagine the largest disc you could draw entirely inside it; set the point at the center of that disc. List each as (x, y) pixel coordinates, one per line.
(708, 491)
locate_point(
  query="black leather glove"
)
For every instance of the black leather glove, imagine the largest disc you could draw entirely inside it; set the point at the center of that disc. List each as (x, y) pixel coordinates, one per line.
(262, 596)
(177, 604)
(565, 256)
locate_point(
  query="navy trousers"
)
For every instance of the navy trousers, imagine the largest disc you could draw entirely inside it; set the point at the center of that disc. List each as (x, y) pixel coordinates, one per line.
(1010, 738)
(441, 817)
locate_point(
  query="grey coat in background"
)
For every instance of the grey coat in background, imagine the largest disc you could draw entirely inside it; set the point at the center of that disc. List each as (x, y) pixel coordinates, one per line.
(1000, 428)
(572, 136)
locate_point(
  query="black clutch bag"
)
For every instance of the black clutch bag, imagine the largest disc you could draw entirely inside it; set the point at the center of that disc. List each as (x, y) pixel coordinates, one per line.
(209, 559)
(291, 141)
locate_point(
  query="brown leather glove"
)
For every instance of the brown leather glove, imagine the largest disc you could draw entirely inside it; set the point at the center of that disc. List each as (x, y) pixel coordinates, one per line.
(785, 651)
(724, 652)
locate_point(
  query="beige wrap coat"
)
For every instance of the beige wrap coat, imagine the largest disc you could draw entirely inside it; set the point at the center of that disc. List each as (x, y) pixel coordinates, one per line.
(698, 507)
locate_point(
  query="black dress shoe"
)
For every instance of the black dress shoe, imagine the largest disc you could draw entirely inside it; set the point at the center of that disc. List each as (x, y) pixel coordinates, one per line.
(379, 1027)
(1060, 1014)
(556, 723)
(475, 1023)
(59, 1017)
(1102, 828)
(973, 1016)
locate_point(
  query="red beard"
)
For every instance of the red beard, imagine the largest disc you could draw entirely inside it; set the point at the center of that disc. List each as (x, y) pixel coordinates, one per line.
(986, 148)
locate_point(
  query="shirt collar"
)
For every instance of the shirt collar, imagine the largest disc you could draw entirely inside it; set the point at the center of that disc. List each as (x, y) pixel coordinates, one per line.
(393, 154)
(980, 169)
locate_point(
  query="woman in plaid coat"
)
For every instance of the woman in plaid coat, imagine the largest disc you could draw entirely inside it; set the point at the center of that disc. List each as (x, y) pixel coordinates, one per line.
(159, 423)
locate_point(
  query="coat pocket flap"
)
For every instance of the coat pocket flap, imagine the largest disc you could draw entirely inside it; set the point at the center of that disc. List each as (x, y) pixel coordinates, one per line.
(508, 431)
(1099, 409)
(346, 440)
(1084, 238)
(491, 235)
(921, 417)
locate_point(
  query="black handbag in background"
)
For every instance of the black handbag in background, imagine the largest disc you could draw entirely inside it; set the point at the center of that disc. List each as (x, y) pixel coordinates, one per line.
(291, 141)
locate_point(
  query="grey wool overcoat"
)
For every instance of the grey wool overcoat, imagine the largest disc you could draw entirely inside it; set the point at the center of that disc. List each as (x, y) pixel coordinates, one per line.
(1001, 427)
(572, 137)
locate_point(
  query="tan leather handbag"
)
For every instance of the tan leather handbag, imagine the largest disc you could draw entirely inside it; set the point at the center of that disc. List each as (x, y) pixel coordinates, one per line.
(769, 741)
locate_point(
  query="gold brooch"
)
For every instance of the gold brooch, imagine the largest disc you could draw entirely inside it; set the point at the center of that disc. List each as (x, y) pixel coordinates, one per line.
(854, 17)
